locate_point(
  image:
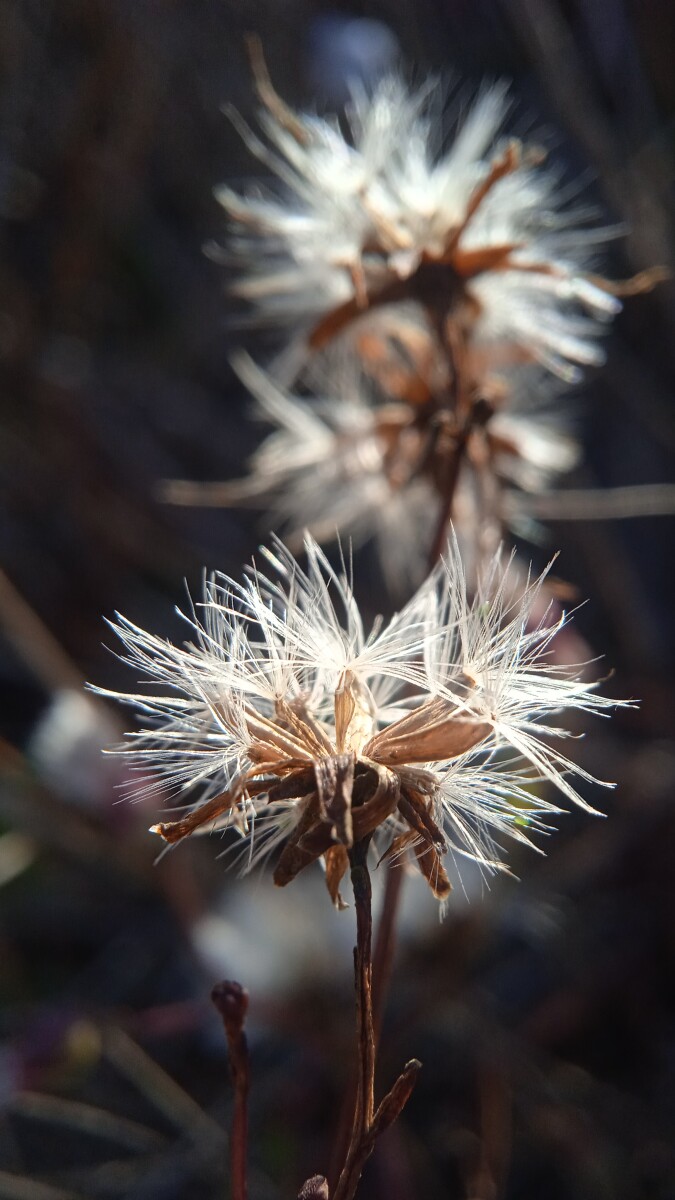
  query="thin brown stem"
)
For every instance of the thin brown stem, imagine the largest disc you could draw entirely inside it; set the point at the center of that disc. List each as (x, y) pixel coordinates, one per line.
(368, 1122)
(385, 943)
(231, 1000)
(363, 975)
(364, 1105)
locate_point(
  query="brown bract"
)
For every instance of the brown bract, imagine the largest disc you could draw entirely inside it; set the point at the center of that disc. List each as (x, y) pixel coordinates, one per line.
(348, 785)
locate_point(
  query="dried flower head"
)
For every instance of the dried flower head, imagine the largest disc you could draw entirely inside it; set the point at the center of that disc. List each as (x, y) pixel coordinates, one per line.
(286, 722)
(350, 461)
(477, 234)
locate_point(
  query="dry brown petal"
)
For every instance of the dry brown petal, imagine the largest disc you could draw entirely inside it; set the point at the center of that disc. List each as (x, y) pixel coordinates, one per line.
(502, 165)
(398, 846)
(392, 375)
(267, 93)
(175, 831)
(469, 263)
(298, 783)
(415, 809)
(279, 768)
(354, 721)
(644, 281)
(298, 706)
(432, 868)
(334, 782)
(297, 855)
(270, 739)
(214, 809)
(293, 857)
(337, 862)
(304, 728)
(367, 816)
(434, 732)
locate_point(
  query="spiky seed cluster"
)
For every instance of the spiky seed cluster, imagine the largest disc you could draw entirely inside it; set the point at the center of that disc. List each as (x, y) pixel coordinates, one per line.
(353, 463)
(286, 722)
(477, 236)
(448, 283)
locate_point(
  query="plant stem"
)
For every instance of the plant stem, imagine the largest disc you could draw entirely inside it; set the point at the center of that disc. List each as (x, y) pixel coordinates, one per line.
(368, 1122)
(383, 955)
(365, 1090)
(441, 536)
(385, 943)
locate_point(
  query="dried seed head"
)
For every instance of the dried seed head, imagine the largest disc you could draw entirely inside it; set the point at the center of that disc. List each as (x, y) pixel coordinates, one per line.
(385, 216)
(286, 723)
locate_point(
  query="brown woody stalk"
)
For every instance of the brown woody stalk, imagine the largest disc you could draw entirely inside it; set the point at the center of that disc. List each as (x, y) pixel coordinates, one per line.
(380, 972)
(385, 943)
(231, 1000)
(368, 1123)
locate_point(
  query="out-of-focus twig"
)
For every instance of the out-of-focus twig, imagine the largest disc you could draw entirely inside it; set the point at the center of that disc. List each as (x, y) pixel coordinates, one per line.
(601, 504)
(231, 1001)
(541, 25)
(267, 93)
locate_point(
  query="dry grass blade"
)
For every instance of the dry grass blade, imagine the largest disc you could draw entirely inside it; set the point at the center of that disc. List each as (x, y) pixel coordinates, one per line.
(36, 645)
(19, 1187)
(160, 1089)
(86, 1119)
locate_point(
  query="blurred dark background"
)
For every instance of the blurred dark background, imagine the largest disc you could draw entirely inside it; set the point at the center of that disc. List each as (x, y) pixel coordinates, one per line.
(544, 1011)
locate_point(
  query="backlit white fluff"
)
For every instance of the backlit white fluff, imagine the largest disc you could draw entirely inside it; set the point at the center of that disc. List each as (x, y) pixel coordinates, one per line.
(340, 463)
(356, 212)
(330, 465)
(257, 700)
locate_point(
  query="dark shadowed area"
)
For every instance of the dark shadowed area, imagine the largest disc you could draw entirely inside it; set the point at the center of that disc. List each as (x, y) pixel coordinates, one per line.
(543, 1010)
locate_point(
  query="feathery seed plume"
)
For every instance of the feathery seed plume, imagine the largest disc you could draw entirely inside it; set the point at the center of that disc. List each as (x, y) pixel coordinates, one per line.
(285, 721)
(476, 233)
